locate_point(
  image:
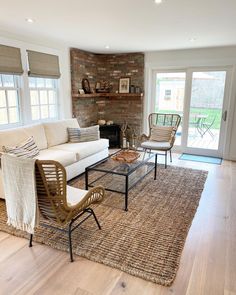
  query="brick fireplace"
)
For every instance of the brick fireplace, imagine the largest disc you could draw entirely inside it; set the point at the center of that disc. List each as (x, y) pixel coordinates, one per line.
(96, 67)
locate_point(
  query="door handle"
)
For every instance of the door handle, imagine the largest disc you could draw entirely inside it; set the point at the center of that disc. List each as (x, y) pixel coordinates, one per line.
(224, 116)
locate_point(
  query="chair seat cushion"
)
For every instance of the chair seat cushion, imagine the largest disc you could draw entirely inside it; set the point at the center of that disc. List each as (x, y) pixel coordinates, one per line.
(74, 195)
(156, 145)
(84, 149)
(63, 157)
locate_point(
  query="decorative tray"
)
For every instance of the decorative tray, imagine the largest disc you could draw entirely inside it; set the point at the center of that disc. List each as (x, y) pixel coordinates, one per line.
(126, 156)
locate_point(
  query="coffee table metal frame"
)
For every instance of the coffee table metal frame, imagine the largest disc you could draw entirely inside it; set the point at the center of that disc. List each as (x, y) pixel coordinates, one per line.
(95, 167)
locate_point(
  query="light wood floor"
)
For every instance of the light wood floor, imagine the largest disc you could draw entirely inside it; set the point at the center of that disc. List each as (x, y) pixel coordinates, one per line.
(208, 263)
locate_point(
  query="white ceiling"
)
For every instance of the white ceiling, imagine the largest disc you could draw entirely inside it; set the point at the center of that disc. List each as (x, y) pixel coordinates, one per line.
(124, 25)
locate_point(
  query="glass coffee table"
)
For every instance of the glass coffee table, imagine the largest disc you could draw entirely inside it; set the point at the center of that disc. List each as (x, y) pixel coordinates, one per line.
(120, 177)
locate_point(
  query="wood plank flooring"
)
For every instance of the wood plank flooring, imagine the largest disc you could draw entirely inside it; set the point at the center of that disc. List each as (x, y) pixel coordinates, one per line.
(208, 263)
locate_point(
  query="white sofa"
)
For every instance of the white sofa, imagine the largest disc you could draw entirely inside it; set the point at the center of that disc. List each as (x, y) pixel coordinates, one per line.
(52, 141)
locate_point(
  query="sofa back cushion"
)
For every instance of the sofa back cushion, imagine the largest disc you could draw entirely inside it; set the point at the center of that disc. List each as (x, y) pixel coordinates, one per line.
(56, 132)
(13, 137)
(38, 133)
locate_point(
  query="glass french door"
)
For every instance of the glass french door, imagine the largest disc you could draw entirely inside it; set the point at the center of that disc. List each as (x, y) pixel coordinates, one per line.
(200, 98)
(206, 108)
(169, 98)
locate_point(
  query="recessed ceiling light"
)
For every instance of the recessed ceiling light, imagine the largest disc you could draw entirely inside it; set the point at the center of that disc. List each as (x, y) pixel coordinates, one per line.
(158, 1)
(29, 20)
(107, 47)
(193, 39)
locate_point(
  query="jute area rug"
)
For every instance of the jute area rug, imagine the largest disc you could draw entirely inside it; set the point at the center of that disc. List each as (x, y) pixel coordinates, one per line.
(146, 241)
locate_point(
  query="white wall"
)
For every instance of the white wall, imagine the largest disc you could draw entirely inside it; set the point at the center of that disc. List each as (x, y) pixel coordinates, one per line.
(184, 59)
(64, 59)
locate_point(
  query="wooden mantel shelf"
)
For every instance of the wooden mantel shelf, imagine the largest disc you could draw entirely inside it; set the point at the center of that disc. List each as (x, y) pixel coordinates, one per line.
(95, 95)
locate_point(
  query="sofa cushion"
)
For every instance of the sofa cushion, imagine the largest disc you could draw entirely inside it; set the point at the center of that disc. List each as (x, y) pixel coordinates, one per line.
(63, 157)
(38, 133)
(12, 137)
(84, 149)
(56, 132)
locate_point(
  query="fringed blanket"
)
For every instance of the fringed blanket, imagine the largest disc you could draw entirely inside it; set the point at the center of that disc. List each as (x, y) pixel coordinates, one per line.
(20, 192)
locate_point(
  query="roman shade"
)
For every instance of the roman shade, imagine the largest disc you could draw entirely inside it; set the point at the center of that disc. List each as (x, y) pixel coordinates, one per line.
(10, 60)
(43, 65)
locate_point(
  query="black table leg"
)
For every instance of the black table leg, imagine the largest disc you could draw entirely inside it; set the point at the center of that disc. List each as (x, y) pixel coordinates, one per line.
(86, 179)
(126, 192)
(155, 172)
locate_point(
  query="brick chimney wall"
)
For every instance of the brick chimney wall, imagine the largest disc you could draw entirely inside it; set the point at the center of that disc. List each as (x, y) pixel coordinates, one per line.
(111, 67)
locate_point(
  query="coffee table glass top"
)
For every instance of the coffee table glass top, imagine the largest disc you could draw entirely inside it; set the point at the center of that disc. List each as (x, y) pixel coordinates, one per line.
(114, 167)
(119, 177)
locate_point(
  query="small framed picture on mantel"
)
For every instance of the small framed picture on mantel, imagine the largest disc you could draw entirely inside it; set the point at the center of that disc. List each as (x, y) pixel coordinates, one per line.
(124, 84)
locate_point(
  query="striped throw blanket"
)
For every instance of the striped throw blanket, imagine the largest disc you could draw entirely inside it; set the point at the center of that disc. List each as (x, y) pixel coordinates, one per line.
(83, 134)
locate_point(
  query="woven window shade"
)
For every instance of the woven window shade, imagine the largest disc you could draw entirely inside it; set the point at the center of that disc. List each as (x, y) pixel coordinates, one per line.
(10, 60)
(43, 65)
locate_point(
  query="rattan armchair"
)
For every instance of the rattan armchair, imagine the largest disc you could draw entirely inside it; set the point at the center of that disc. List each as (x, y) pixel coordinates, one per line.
(159, 119)
(54, 203)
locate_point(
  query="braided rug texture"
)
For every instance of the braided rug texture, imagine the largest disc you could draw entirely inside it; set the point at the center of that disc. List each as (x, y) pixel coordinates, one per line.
(147, 241)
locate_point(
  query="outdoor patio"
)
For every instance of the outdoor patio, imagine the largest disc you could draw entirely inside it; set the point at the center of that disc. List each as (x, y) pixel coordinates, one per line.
(195, 140)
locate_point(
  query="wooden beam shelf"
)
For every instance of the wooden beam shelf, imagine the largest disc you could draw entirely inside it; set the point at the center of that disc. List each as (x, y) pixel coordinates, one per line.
(95, 95)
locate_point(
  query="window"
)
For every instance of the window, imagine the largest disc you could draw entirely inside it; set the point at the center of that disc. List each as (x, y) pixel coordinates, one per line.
(167, 94)
(9, 100)
(43, 98)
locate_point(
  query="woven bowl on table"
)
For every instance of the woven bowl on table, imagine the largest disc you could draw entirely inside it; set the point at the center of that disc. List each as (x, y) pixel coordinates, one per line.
(126, 156)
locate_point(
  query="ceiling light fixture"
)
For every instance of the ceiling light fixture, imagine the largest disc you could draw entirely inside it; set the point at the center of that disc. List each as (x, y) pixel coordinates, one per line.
(158, 1)
(192, 39)
(107, 47)
(29, 20)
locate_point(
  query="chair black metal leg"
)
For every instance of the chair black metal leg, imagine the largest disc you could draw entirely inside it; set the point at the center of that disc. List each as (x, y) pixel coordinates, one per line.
(170, 156)
(31, 240)
(95, 217)
(70, 242)
(155, 172)
(165, 159)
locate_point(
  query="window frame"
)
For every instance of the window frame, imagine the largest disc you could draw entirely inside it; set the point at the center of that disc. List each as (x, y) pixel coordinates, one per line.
(17, 87)
(47, 89)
